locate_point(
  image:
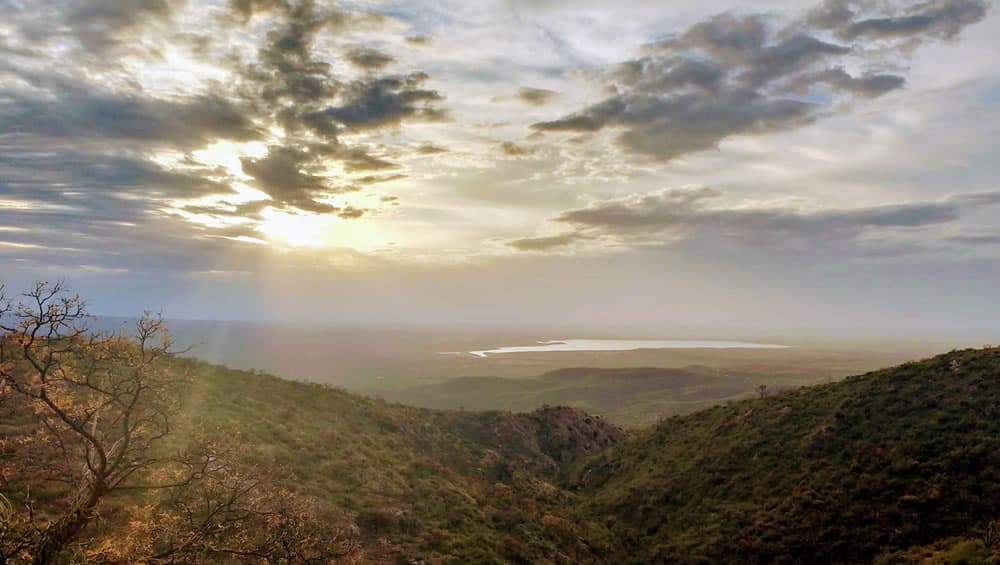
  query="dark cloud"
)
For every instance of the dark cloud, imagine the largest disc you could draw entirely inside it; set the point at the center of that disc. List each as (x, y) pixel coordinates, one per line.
(130, 180)
(372, 179)
(354, 158)
(976, 240)
(385, 102)
(692, 215)
(286, 69)
(100, 25)
(535, 96)
(90, 115)
(667, 128)
(430, 149)
(245, 9)
(546, 243)
(295, 87)
(351, 213)
(985, 198)
(736, 75)
(832, 14)
(867, 85)
(295, 176)
(512, 149)
(936, 18)
(292, 85)
(418, 39)
(369, 59)
(286, 175)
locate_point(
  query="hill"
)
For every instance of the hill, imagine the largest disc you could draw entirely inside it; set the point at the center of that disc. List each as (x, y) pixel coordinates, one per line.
(900, 465)
(866, 468)
(407, 484)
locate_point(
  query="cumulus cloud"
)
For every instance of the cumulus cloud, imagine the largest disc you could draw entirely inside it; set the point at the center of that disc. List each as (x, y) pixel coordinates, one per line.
(743, 75)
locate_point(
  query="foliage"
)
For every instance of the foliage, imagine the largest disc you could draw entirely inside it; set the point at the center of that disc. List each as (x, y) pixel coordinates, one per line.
(834, 473)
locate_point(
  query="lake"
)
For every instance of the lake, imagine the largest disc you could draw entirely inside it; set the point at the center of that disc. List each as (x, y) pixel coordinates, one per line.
(623, 345)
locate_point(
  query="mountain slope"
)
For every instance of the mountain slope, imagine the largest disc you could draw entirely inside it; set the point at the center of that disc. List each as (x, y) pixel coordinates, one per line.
(835, 473)
(418, 483)
(408, 484)
(900, 465)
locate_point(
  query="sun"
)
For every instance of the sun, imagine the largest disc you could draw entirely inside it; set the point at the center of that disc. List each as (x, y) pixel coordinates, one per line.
(293, 230)
(307, 230)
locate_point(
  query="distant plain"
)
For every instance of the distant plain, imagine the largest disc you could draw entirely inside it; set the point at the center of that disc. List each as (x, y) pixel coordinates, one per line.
(407, 366)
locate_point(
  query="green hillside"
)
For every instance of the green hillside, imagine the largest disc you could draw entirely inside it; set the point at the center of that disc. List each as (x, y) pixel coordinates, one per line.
(901, 466)
(845, 472)
(410, 484)
(418, 484)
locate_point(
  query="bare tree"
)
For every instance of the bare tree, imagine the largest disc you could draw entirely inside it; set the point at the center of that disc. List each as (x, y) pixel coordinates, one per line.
(101, 406)
(104, 400)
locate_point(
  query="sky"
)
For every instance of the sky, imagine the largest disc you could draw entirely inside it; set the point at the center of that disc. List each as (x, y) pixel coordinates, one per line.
(628, 166)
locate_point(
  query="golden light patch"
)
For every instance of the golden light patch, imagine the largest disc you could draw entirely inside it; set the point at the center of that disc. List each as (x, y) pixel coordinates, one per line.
(321, 230)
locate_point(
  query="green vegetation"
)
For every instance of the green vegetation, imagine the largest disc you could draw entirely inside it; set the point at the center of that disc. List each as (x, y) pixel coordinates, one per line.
(843, 472)
(896, 466)
(420, 484)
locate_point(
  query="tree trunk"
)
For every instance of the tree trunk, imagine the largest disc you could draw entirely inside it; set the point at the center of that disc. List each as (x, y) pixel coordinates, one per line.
(64, 531)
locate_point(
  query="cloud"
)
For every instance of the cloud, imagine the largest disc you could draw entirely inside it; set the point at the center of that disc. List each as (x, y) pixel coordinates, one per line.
(736, 75)
(369, 59)
(535, 96)
(870, 85)
(984, 198)
(87, 115)
(245, 9)
(418, 40)
(430, 149)
(109, 181)
(512, 149)
(943, 19)
(385, 102)
(992, 240)
(672, 216)
(286, 69)
(100, 25)
(280, 174)
(112, 142)
(546, 243)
